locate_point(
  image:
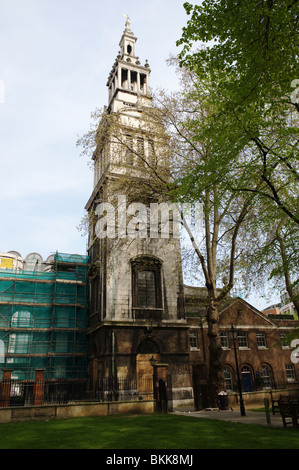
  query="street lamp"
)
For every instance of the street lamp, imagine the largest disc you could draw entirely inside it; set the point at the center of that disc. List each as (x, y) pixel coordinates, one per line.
(234, 333)
(152, 361)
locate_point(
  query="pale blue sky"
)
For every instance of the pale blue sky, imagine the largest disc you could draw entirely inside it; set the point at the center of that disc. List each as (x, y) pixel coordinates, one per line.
(55, 58)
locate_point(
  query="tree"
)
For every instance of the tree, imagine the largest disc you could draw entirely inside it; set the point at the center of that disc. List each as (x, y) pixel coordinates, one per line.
(272, 251)
(172, 172)
(251, 60)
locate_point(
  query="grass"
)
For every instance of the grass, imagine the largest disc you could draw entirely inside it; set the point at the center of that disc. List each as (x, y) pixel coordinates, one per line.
(144, 432)
(262, 409)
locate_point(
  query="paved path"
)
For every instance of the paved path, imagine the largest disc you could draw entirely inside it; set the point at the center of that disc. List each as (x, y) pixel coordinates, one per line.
(252, 417)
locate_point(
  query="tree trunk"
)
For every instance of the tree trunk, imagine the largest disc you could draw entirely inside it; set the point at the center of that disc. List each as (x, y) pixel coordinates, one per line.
(216, 379)
(287, 277)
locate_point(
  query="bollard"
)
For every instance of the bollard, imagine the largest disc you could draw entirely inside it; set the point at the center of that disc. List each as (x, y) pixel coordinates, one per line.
(267, 410)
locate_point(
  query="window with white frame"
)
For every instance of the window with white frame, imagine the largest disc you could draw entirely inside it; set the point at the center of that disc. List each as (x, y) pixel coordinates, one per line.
(228, 379)
(242, 339)
(224, 340)
(18, 343)
(261, 339)
(193, 339)
(266, 376)
(290, 370)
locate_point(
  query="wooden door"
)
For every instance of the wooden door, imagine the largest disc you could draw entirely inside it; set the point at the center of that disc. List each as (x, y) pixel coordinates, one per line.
(145, 372)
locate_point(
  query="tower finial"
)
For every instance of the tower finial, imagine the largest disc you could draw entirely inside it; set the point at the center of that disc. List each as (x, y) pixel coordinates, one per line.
(128, 21)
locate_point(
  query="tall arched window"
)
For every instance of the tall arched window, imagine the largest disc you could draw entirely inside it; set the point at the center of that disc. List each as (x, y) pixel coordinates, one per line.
(266, 376)
(146, 273)
(228, 379)
(146, 288)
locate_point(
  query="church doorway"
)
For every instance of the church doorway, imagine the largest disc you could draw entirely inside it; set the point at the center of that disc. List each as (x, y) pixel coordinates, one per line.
(246, 379)
(147, 352)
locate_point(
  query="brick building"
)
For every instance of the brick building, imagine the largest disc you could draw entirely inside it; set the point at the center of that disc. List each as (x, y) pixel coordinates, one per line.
(264, 359)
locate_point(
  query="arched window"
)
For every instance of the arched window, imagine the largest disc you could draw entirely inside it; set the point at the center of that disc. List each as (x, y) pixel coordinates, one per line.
(148, 347)
(266, 376)
(146, 288)
(228, 379)
(21, 319)
(147, 283)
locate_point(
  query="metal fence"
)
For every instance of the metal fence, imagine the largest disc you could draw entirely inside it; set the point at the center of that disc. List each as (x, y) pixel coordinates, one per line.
(62, 391)
(123, 389)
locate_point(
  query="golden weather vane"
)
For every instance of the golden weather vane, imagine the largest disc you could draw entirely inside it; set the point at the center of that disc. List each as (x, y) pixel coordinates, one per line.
(128, 20)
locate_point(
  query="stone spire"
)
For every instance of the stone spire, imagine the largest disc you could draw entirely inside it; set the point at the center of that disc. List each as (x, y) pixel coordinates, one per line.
(128, 76)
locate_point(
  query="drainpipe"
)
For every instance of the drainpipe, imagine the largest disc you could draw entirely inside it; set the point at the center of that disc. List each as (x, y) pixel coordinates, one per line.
(113, 286)
(203, 342)
(113, 355)
(113, 364)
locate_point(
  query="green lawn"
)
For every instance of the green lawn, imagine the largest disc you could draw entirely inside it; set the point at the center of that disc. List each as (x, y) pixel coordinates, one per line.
(144, 432)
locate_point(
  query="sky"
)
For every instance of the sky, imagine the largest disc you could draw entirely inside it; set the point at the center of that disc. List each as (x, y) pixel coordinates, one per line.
(55, 58)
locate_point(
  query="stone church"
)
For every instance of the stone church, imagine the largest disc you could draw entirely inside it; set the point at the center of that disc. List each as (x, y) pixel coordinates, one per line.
(137, 318)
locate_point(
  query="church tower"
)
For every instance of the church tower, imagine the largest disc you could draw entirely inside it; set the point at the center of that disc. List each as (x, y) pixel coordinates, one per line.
(136, 284)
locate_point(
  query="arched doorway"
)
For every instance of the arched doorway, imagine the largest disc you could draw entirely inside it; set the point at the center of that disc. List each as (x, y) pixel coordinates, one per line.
(147, 352)
(246, 379)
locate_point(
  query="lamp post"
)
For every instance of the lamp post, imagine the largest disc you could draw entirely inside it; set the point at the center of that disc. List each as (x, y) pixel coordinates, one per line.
(234, 336)
(152, 361)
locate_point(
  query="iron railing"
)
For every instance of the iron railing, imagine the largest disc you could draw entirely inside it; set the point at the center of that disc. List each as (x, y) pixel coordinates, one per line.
(62, 391)
(123, 389)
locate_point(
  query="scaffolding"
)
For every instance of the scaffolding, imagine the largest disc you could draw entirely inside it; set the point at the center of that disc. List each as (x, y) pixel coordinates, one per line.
(43, 319)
